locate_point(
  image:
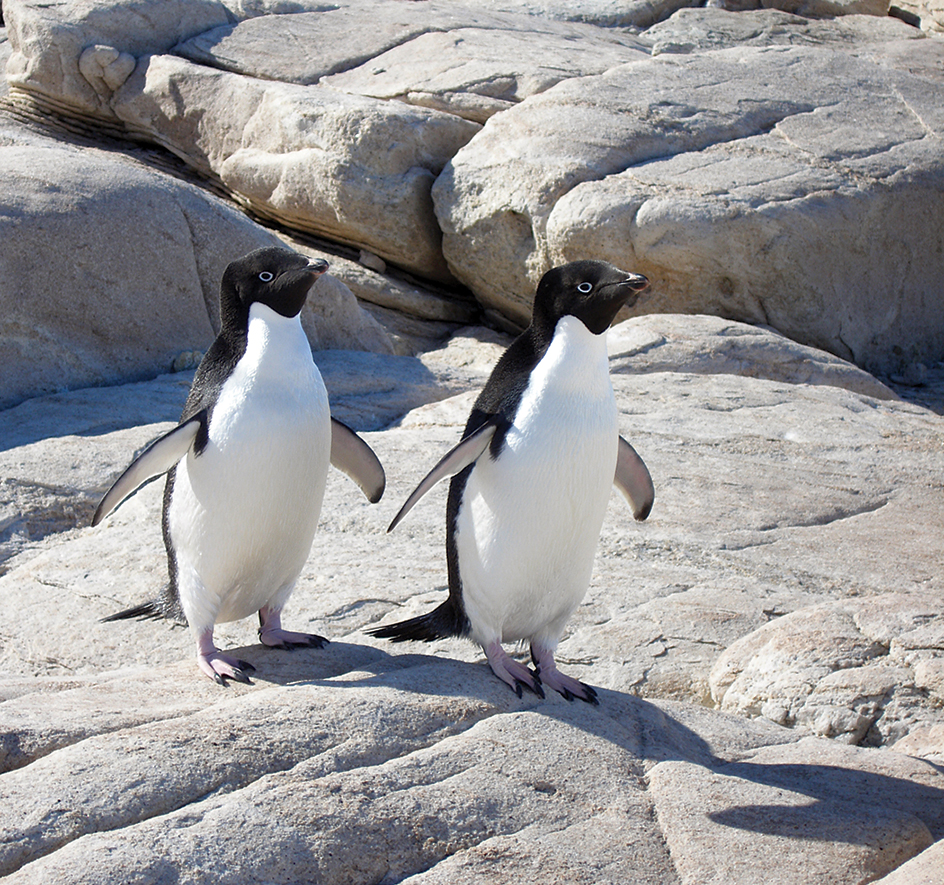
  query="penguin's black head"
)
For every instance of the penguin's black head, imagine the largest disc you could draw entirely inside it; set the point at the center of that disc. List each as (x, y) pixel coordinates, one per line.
(278, 278)
(592, 291)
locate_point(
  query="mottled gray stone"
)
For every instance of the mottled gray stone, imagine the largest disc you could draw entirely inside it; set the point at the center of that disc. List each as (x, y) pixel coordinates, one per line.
(738, 180)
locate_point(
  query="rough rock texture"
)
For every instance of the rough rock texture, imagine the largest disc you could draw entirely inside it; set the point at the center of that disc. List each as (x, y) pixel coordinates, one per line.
(738, 179)
(371, 762)
(721, 153)
(320, 160)
(840, 667)
(130, 269)
(930, 14)
(790, 572)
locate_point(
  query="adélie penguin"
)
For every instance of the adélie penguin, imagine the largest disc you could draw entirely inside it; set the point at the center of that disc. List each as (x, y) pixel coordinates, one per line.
(247, 464)
(531, 480)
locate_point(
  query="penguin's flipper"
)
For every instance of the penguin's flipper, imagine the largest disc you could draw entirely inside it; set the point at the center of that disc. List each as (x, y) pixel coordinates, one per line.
(455, 460)
(633, 480)
(156, 459)
(354, 458)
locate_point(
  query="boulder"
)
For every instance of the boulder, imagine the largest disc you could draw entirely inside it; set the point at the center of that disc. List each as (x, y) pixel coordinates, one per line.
(352, 169)
(737, 179)
(478, 72)
(110, 269)
(50, 43)
(865, 671)
(720, 153)
(367, 760)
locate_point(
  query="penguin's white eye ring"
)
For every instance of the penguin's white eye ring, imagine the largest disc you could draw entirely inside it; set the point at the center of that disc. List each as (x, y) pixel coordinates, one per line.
(585, 288)
(266, 277)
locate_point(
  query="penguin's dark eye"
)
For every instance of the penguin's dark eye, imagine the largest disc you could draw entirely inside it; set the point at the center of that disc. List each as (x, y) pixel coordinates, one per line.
(266, 277)
(584, 287)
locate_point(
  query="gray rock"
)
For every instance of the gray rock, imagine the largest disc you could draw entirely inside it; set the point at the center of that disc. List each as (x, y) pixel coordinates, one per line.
(4, 55)
(287, 152)
(366, 760)
(738, 180)
(698, 30)
(345, 43)
(777, 804)
(742, 181)
(478, 72)
(111, 269)
(49, 43)
(866, 671)
(925, 869)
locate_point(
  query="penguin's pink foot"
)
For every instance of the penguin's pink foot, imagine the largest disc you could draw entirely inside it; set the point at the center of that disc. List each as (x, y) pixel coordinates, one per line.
(272, 634)
(511, 672)
(220, 667)
(569, 687)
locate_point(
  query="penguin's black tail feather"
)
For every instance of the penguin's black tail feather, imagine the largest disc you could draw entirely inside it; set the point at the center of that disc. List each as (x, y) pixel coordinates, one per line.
(151, 609)
(440, 623)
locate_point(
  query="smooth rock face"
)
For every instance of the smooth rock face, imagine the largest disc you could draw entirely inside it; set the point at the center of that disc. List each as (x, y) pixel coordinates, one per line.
(366, 760)
(779, 209)
(131, 261)
(316, 159)
(721, 153)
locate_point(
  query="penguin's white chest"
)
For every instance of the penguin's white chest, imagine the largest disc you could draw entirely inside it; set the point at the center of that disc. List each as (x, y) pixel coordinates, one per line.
(244, 512)
(530, 520)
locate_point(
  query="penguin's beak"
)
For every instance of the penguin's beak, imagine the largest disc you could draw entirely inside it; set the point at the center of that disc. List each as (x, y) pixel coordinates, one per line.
(635, 282)
(630, 288)
(317, 266)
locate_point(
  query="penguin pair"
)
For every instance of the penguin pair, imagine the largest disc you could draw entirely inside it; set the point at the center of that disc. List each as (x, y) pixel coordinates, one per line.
(247, 466)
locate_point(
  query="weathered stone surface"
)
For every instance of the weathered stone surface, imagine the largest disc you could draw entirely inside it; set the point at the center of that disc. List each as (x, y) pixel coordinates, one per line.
(478, 72)
(813, 8)
(351, 169)
(699, 30)
(738, 175)
(4, 55)
(366, 760)
(791, 805)
(129, 269)
(49, 42)
(606, 13)
(796, 497)
(738, 180)
(839, 668)
(930, 14)
(925, 869)
(715, 346)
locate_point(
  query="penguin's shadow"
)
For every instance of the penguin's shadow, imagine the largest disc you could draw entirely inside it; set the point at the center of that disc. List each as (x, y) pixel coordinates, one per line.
(644, 730)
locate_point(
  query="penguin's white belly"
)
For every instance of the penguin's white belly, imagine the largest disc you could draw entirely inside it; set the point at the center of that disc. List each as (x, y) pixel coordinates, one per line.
(530, 521)
(243, 513)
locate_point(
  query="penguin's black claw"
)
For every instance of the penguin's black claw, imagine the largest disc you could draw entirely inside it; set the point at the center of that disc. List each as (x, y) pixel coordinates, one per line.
(246, 667)
(591, 695)
(534, 686)
(239, 676)
(219, 680)
(566, 695)
(288, 641)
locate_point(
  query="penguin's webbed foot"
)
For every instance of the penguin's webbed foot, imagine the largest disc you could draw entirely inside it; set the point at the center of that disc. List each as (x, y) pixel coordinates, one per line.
(216, 665)
(220, 667)
(272, 635)
(512, 672)
(286, 639)
(568, 687)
